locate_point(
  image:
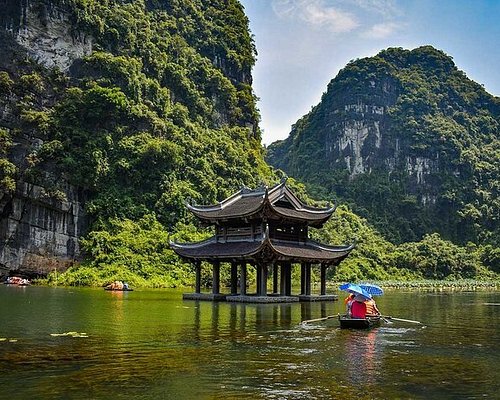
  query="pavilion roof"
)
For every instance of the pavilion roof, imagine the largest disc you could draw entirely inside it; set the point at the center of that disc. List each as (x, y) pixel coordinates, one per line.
(264, 249)
(278, 202)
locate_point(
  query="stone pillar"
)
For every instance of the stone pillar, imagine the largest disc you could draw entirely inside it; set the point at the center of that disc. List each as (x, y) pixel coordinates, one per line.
(197, 267)
(258, 278)
(283, 279)
(307, 271)
(323, 279)
(243, 279)
(275, 277)
(288, 280)
(216, 277)
(234, 278)
(302, 278)
(262, 282)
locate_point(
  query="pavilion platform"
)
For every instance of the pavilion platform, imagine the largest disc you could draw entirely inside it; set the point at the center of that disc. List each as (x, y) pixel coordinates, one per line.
(321, 297)
(271, 298)
(262, 299)
(205, 296)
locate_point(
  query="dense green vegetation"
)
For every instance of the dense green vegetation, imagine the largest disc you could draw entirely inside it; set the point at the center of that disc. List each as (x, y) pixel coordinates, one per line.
(433, 115)
(160, 113)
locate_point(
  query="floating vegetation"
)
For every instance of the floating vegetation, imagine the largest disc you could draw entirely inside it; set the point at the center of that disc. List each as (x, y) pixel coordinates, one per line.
(461, 284)
(3, 339)
(71, 334)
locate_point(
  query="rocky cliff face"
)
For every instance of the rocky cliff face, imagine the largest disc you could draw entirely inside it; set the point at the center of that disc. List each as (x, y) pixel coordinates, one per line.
(400, 136)
(44, 31)
(118, 109)
(39, 231)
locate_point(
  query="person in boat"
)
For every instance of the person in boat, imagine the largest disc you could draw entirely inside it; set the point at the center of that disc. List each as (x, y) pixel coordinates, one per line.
(125, 286)
(116, 285)
(358, 307)
(371, 308)
(348, 303)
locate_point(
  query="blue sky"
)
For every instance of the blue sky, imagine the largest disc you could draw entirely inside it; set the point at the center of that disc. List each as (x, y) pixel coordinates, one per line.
(302, 44)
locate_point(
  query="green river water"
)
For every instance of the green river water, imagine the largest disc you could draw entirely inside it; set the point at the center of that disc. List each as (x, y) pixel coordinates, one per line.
(150, 344)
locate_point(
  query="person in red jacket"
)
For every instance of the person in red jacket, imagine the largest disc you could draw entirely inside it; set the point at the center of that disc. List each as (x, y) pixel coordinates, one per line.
(358, 307)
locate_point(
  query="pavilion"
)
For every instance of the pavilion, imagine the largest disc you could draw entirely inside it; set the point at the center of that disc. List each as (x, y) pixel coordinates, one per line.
(268, 229)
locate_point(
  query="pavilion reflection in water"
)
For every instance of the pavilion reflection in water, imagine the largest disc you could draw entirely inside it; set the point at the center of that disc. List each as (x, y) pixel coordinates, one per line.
(268, 229)
(218, 320)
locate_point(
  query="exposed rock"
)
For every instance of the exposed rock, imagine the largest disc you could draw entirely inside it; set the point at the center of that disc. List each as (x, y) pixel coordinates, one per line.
(39, 233)
(45, 32)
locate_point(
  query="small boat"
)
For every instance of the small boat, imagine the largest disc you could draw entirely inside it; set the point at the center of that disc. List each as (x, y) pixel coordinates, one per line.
(119, 290)
(16, 280)
(118, 286)
(358, 323)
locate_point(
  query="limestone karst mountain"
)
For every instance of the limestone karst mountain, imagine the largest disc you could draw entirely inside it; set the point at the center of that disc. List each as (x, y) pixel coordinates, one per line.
(119, 109)
(409, 141)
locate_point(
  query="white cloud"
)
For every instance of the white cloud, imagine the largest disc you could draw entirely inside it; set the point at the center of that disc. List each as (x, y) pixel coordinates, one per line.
(386, 8)
(316, 13)
(342, 16)
(381, 31)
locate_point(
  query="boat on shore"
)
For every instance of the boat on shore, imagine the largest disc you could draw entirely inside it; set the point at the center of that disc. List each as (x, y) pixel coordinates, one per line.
(358, 323)
(17, 280)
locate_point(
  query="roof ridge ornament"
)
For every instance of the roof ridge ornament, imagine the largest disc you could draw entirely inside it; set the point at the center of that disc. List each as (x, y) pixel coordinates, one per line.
(266, 233)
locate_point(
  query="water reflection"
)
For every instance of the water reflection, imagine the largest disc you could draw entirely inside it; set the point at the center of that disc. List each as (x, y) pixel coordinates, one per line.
(151, 344)
(361, 353)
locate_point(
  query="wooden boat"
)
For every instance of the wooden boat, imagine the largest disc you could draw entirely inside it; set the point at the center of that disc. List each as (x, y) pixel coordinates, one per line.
(119, 290)
(358, 323)
(17, 281)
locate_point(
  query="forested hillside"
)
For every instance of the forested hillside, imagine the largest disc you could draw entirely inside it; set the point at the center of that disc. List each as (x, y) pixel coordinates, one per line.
(157, 110)
(409, 142)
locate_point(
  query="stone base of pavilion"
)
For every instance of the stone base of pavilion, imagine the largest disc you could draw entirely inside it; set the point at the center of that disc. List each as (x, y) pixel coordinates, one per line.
(254, 298)
(323, 297)
(205, 296)
(262, 299)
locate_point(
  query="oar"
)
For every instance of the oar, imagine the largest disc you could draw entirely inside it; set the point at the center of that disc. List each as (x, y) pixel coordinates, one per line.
(319, 319)
(401, 319)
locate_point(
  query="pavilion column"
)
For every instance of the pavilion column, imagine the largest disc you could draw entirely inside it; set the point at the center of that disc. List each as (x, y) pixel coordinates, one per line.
(275, 277)
(243, 278)
(216, 277)
(288, 280)
(302, 278)
(307, 271)
(234, 278)
(261, 279)
(283, 279)
(258, 278)
(197, 267)
(323, 279)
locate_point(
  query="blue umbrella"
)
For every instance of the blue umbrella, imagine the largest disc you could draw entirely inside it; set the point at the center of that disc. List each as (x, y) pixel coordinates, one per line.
(356, 289)
(374, 290)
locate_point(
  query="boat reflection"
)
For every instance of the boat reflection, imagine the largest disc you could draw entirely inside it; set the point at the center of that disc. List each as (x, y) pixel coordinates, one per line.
(361, 356)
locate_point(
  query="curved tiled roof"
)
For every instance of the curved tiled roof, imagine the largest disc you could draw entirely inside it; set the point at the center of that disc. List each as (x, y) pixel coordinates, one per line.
(263, 202)
(281, 250)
